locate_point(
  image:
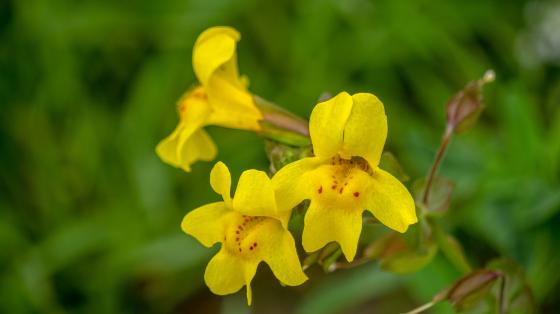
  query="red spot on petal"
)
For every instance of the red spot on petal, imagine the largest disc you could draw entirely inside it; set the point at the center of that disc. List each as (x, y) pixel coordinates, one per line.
(239, 249)
(333, 187)
(251, 248)
(320, 189)
(356, 194)
(236, 239)
(341, 189)
(255, 244)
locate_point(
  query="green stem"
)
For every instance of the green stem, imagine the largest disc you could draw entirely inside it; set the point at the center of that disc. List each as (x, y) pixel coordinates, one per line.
(282, 126)
(281, 118)
(421, 308)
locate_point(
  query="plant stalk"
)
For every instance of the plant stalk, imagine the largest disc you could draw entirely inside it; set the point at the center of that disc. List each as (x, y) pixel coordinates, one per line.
(437, 161)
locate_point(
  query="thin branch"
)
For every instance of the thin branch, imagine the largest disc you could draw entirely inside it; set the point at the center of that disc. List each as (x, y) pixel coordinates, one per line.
(437, 161)
(422, 308)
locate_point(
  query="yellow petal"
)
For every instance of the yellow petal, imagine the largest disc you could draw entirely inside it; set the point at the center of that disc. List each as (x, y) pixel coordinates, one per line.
(254, 196)
(233, 106)
(390, 202)
(366, 129)
(197, 146)
(264, 238)
(215, 64)
(206, 223)
(324, 225)
(278, 250)
(227, 273)
(215, 49)
(339, 186)
(167, 148)
(189, 143)
(220, 180)
(291, 185)
(193, 106)
(326, 125)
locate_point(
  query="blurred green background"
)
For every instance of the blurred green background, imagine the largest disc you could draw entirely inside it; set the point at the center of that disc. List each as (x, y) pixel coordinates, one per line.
(89, 217)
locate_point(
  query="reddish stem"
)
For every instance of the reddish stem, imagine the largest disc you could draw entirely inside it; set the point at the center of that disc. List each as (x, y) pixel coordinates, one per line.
(437, 161)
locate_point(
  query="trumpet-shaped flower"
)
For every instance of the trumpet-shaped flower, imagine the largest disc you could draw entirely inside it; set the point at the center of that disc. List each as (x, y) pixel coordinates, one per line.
(250, 228)
(343, 178)
(221, 99)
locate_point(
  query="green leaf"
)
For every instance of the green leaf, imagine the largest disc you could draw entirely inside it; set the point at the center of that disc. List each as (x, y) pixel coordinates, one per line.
(396, 254)
(325, 257)
(440, 194)
(390, 163)
(517, 295)
(280, 154)
(468, 291)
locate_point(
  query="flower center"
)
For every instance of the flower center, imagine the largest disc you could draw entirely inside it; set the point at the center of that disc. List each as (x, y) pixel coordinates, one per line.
(342, 182)
(241, 236)
(195, 97)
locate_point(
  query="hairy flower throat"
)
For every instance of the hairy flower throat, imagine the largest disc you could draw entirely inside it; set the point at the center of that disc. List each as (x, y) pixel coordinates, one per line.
(241, 236)
(342, 182)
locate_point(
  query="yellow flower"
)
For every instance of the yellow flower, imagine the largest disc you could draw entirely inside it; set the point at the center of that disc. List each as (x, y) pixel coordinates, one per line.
(221, 99)
(250, 228)
(343, 179)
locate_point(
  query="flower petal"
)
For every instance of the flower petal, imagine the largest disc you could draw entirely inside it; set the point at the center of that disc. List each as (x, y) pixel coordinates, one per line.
(254, 196)
(227, 273)
(220, 180)
(233, 106)
(193, 107)
(206, 223)
(324, 225)
(215, 49)
(189, 143)
(290, 184)
(278, 250)
(390, 202)
(326, 125)
(366, 129)
(215, 64)
(194, 147)
(167, 148)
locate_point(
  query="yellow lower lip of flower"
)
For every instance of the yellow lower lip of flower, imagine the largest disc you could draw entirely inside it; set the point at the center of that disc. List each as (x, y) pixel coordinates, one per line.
(340, 190)
(241, 237)
(247, 234)
(342, 183)
(246, 242)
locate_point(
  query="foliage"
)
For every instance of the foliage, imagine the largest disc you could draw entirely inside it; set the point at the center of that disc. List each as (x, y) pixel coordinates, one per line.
(90, 217)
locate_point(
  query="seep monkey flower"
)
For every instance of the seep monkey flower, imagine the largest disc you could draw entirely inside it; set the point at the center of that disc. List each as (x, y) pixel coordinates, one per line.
(221, 99)
(250, 228)
(343, 179)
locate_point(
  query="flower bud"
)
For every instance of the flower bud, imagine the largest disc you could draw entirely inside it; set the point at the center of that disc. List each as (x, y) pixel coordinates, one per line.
(465, 107)
(471, 289)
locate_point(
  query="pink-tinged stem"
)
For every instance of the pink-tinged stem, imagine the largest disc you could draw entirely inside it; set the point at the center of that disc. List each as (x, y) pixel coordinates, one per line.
(437, 161)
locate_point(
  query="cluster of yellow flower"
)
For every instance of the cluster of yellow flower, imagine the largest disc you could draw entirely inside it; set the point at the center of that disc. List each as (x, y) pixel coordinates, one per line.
(341, 180)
